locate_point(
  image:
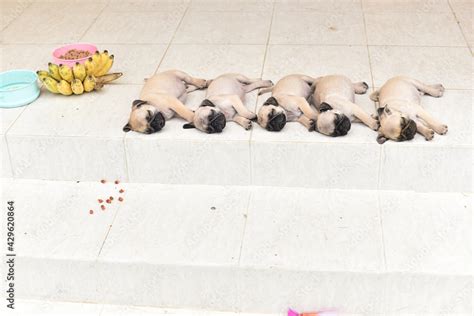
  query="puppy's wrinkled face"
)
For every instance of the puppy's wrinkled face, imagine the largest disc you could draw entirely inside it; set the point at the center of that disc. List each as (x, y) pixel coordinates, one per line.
(208, 118)
(271, 116)
(332, 122)
(394, 125)
(144, 118)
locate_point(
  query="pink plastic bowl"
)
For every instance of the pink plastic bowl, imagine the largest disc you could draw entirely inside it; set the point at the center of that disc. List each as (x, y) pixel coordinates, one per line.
(71, 62)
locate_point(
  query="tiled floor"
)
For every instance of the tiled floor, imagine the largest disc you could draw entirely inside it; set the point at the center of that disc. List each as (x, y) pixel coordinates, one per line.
(364, 39)
(367, 40)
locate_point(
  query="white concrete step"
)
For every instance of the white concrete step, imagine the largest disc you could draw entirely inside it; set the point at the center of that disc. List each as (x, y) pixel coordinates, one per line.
(58, 308)
(243, 249)
(81, 138)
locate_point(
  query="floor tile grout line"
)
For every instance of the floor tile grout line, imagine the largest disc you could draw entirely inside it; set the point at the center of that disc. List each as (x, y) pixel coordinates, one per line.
(9, 155)
(246, 44)
(267, 42)
(17, 17)
(379, 176)
(384, 253)
(172, 38)
(373, 87)
(367, 44)
(218, 140)
(94, 21)
(245, 227)
(6, 138)
(125, 151)
(250, 141)
(256, 99)
(458, 22)
(125, 83)
(380, 148)
(108, 231)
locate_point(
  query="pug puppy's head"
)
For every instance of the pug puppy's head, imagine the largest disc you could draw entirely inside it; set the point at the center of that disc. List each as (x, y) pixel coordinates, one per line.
(208, 118)
(271, 116)
(394, 125)
(144, 118)
(332, 122)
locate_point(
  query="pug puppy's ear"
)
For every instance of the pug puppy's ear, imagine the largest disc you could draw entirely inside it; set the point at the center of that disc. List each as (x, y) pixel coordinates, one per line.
(127, 128)
(271, 101)
(138, 103)
(380, 110)
(324, 107)
(188, 126)
(381, 139)
(207, 102)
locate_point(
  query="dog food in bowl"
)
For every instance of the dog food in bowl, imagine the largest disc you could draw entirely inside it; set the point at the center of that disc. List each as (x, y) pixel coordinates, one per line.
(73, 50)
(75, 54)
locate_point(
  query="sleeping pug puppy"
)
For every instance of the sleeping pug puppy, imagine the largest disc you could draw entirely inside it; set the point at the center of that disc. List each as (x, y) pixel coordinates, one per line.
(161, 98)
(334, 97)
(289, 102)
(273, 117)
(400, 113)
(224, 101)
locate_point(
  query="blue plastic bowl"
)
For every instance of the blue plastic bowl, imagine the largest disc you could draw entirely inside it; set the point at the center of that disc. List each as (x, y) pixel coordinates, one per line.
(18, 88)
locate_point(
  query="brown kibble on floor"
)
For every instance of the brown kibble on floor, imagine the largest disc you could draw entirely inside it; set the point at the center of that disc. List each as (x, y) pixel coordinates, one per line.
(121, 190)
(120, 199)
(117, 181)
(102, 207)
(102, 181)
(111, 198)
(107, 201)
(100, 200)
(91, 212)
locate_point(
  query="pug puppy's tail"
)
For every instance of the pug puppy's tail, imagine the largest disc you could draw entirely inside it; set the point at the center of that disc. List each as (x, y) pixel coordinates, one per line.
(374, 96)
(309, 80)
(265, 90)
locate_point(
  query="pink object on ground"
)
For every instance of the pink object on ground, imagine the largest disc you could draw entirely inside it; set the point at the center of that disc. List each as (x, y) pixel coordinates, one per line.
(71, 62)
(292, 313)
(320, 313)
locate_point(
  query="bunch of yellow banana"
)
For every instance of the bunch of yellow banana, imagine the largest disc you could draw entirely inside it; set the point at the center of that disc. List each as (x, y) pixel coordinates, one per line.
(99, 64)
(92, 75)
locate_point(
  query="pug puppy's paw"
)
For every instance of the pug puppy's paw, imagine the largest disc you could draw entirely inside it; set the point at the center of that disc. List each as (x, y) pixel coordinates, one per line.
(429, 135)
(442, 129)
(247, 125)
(268, 83)
(439, 90)
(202, 83)
(374, 125)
